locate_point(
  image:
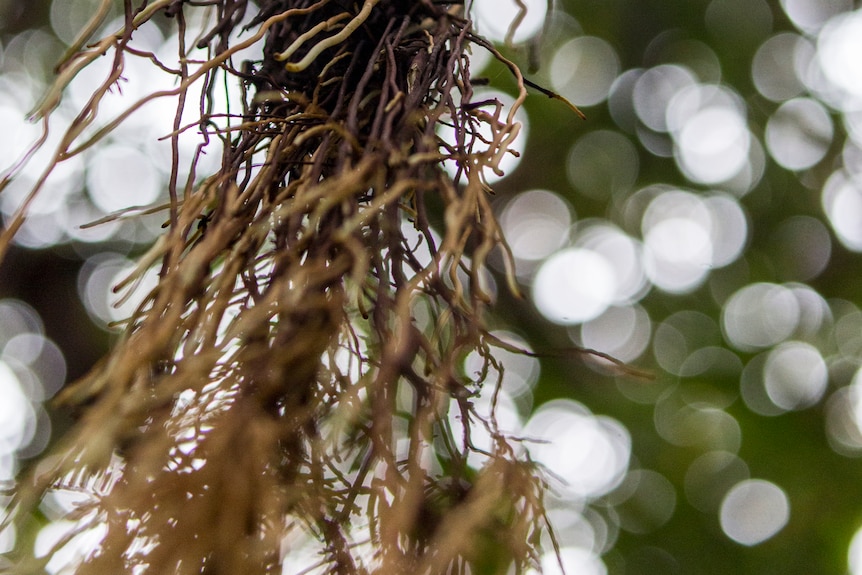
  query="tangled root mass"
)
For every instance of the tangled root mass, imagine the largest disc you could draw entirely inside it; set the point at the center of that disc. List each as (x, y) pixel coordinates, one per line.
(293, 386)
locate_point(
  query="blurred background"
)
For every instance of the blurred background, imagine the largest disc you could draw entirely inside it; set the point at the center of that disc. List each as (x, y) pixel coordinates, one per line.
(704, 224)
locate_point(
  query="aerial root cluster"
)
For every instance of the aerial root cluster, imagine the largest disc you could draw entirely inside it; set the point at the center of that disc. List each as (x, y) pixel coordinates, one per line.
(294, 384)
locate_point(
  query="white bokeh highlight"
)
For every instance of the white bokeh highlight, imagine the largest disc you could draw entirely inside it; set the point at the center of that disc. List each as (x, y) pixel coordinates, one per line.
(574, 285)
(589, 453)
(753, 511)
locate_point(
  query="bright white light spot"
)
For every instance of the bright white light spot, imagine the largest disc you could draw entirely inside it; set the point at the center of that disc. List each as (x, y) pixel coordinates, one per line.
(120, 177)
(853, 124)
(575, 560)
(8, 467)
(502, 409)
(622, 332)
(838, 49)
(589, 453)
(536, 223)
(493, 19)
(655, 89)
(696, 98)
(623, 253)
(675, 205)
(620, 101)
(799, 133)
(713, 145)
(677, 240)
(842, 202)
(63, 183)
(814, 312)
(95, 281)
(583, 70)
(573, 528)
(752, 172)
(419, 243)
(774, 67)
(729, 230)
(810, 15)
(678, 228)
(17, 417)
(795, 375)
(16, 317)
(25, 347)
(574, 285)
(760, 315)
(844, 419)
(17, 133)
(854, 554)
(754, 511)
(851, 156)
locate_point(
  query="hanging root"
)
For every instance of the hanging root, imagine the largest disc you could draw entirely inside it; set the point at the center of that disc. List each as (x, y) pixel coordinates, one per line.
(292, 393)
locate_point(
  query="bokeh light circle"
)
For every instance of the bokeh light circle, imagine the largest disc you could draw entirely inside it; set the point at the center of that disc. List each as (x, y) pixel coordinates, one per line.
(795, 375)
(622, 252)
(810, 15)
(583, 70)
(842, 202)
(536, 223)
(16, 413)
(654, 90)
(799, 133)
(760, 315)
(622, 332)
(838, 47)
(494, 19)
(754, 511)
(774, 67)
(854, 554)
(844, 419)
(574, 560)
(574, 285)
(589, 453)
(713, 145)
(120, 177)
(686, 235)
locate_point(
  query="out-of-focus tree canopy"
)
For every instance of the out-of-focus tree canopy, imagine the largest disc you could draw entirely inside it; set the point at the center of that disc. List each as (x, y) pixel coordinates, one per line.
(702, 225)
